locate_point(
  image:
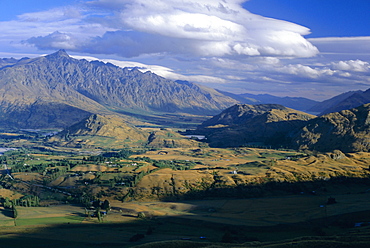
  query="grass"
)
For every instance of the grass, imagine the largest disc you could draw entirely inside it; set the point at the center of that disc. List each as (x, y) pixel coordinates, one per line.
(49, 220)
(268, 219)
(271, 218)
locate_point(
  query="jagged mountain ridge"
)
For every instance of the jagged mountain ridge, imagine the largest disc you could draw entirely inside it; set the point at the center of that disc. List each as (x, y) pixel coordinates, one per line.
(92, 87)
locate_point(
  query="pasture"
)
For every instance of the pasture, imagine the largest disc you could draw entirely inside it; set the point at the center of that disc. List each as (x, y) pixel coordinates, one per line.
(266, 219)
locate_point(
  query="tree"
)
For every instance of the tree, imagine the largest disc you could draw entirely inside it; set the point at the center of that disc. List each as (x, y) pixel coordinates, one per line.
(96, 204)
(7, 203)
(106, 205)
(15, 212)
(98, 214)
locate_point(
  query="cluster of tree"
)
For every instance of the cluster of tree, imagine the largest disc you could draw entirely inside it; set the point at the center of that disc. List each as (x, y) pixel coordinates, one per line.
(107, 156)
(98, 205)
(22, 167)
(137, 178)
(85, 199)
(8, 204)
(175, 165)
(25, 201)
(3, 159)
(54, 173)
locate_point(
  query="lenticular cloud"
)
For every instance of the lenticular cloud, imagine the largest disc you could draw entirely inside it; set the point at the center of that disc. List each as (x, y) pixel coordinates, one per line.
(195, 28)
(217, 28)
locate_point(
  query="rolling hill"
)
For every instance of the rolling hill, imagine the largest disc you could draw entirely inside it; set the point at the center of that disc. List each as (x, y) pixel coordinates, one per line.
(100, 131)
(347, 130)
(244, 124)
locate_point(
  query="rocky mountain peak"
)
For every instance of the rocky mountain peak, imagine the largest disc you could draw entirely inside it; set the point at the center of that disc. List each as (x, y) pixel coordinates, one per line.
(59, 54)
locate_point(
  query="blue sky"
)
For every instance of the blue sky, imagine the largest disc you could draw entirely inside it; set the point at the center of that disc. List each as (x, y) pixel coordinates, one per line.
(325, 18)
(310, 48)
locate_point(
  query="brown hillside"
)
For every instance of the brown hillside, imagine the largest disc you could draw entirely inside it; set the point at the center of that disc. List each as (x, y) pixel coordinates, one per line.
(167, 138)
(243, 124)
(348, 131)
(100, 131)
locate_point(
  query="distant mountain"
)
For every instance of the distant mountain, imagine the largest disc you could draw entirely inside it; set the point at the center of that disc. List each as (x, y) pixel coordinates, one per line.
(243, 124)
(331, 104)
(7, 62)
(298, 103)
(240, 98)
(354, 100)
(57, 91)
(347, 130)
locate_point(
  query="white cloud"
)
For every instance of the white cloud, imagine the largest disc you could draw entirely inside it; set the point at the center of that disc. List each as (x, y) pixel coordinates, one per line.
(52, 15)
(159, 70)
(214, 42)
(178, 27)
(352, 65)
(54, 40)
(306, 71)
(343, 45)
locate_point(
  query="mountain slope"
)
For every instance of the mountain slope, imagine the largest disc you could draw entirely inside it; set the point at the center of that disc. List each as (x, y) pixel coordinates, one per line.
(330, 103)
(100, 131)
(244, 124)
(347, 100)
(29, 86)
(347, 130)
(353, 101)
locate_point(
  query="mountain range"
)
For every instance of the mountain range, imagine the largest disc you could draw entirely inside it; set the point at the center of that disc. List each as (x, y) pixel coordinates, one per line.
(298, 103)
(94, 99)
(347, 100)
(58, 91)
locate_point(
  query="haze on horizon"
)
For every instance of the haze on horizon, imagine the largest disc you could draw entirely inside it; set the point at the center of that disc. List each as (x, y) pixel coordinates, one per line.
(309, 48)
